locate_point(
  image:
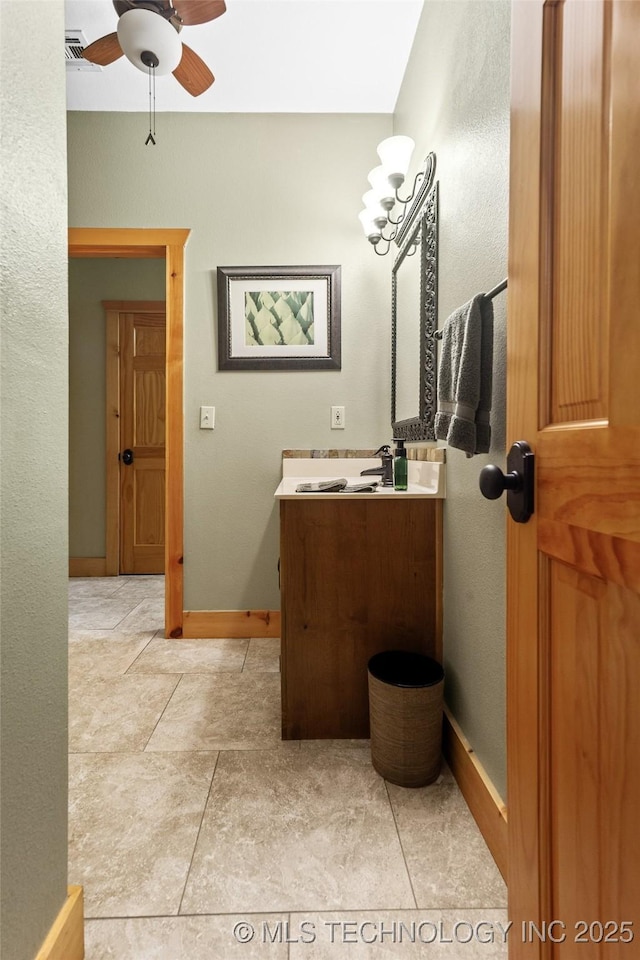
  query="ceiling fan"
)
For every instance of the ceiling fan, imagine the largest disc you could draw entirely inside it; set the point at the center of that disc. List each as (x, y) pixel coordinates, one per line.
(148, 35)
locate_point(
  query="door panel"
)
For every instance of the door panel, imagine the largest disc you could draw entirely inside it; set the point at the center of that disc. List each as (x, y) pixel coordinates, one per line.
(576, 149)
(577, 606)
(142, 429)
(574, 570)
(149, 401)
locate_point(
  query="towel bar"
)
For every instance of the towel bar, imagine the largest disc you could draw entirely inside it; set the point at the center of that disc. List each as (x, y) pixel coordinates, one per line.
(490, 295)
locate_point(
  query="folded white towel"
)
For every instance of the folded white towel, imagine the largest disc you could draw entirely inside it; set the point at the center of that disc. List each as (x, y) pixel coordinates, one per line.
(465, 377)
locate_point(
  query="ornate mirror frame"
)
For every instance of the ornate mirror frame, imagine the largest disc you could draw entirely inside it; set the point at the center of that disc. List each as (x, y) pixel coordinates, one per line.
(419, 228)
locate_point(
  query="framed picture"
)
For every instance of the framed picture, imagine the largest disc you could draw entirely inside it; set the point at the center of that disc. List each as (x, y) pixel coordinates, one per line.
(279, 318)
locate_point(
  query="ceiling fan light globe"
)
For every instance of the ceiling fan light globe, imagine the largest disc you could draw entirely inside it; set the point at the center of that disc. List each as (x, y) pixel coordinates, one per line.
(143, 30)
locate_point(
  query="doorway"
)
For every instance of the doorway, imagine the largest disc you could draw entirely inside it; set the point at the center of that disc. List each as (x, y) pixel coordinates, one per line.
(168, 244)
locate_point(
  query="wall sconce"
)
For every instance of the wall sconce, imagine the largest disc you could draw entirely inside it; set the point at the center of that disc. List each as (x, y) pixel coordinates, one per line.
(385, 180)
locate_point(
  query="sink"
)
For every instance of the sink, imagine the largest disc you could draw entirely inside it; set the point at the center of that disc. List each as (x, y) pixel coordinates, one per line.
(426, 479)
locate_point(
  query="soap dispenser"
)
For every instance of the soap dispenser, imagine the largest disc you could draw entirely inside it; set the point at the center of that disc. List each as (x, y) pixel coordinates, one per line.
(400, 466)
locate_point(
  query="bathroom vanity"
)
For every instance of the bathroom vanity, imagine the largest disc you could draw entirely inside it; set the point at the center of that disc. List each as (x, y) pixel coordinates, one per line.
(359, 574)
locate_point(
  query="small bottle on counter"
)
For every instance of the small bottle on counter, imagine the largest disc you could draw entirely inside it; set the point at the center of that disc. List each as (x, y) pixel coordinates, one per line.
(400, 466)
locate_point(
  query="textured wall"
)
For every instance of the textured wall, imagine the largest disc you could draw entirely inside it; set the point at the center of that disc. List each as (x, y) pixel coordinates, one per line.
(455, 101)
(33, 464)
(90, 282)
(255, 190)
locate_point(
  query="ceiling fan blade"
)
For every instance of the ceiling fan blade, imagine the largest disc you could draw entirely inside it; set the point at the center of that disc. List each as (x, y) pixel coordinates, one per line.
(192, 12)
(193, 73)
(104, 51)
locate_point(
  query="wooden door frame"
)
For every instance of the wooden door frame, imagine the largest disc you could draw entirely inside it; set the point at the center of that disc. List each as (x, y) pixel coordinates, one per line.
(152, 243)
(113, 309)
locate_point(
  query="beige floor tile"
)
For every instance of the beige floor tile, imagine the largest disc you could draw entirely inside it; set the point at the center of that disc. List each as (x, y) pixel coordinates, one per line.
(105, 657)
(142, 588)
(115, 635)
(402, 934)
(188, 938)
(263, 654)
(133, 823)
(310, 830)
(101, 613)
(145, 615)
(116, 714)
(296, 825)
(224, 711)
(192, 656)
(448, 860)
(94, 587)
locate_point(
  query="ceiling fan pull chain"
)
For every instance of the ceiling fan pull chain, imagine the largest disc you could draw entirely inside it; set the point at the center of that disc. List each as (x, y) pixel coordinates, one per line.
(152, 108)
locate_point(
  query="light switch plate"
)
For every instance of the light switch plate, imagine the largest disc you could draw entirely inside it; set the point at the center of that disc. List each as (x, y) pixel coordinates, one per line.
(207, 418)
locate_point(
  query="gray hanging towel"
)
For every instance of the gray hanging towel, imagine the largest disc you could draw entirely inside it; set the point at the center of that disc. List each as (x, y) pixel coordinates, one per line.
(465, 374)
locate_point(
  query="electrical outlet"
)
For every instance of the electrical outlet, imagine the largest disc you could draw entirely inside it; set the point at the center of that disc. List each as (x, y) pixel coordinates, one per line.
(207, 418)
(337, 418)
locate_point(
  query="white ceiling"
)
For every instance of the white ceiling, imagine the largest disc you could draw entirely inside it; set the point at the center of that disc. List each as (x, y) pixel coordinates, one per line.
(281, 56)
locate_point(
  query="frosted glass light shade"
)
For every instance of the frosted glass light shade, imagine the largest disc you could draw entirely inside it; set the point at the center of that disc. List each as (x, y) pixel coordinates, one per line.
(373, 205)
(371, 229)
(395, 156)
(144, 30)
(380, 185)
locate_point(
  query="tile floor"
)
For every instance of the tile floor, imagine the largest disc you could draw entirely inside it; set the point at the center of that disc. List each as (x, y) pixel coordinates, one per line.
(199, 835)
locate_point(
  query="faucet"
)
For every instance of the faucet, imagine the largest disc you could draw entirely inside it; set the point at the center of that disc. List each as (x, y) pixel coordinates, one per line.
(385, 470)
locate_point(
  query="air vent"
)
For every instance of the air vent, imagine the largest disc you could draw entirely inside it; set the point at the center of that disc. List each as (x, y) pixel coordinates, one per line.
(74, 43)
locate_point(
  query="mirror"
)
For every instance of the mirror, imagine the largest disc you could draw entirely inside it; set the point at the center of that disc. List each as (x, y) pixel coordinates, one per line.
(414, 316)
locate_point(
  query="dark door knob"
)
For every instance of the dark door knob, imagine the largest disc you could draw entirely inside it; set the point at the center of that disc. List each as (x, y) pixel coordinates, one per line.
(517, 481)
(127, 457)
(493, 482)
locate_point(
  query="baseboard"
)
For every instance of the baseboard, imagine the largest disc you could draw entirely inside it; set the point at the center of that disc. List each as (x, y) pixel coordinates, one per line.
(87, 566)
(481, 796)
(235, 624)
(65, 940)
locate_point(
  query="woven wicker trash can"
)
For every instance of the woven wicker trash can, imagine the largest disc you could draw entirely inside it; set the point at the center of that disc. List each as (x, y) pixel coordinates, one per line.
(405, 713)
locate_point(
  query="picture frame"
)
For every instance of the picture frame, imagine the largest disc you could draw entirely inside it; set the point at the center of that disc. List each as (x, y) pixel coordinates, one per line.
(279, 318)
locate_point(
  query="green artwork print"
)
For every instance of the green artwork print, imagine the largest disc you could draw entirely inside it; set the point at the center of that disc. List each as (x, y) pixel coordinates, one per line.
(279, 318)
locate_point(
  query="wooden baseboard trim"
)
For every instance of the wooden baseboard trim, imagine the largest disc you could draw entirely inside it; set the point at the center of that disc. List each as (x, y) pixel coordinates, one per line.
(481, 796)
(65, 940)
(87, 566)
(235, 624)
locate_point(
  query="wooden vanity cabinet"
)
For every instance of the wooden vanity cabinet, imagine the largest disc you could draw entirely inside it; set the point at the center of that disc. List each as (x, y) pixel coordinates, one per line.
(356, 577)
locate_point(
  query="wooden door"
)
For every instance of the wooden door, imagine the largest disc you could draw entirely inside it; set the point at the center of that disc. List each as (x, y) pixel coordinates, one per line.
(142, 442)
(574, 395)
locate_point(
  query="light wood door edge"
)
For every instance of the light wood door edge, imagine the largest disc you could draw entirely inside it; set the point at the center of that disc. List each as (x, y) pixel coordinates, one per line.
(65, 940)
(157, 243)
(88, 567)
(481, 796)
(234, 624)
(174, 443)
(112, 433)
(438, 585)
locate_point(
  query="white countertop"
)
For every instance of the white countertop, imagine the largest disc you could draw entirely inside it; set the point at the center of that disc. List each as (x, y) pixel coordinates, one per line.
(425, 480)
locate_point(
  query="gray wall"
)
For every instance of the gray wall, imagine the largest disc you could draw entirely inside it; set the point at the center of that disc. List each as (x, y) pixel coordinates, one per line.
(455, 101)
(255, 190)
(91, 282)
(33, 459)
